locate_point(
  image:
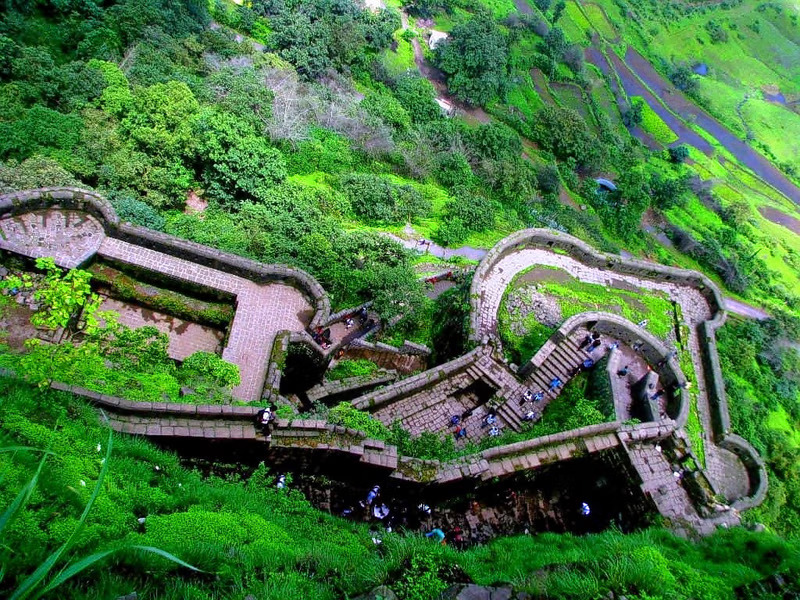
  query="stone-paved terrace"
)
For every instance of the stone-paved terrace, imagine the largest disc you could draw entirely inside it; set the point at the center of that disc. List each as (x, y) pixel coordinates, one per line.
(262, 310)
(722, 465)
(69, 236)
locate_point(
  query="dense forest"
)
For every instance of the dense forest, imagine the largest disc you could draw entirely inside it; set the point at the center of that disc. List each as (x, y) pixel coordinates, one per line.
(301, 132)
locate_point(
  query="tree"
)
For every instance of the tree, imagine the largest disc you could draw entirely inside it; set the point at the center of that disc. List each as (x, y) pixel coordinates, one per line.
(678, 154)
(418, 97)
(633, 115)
(554, 44)
(564, 132)
(494, 141)
(475, 60)
(543, 5)
(682, 76)
(63, 297)
(235, 162)
(666, 192)
(558, 10)
(548, 179)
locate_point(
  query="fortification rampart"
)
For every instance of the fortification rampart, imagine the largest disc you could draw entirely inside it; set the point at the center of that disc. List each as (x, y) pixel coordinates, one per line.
(100, 208)
(651, 348)
(556, 241)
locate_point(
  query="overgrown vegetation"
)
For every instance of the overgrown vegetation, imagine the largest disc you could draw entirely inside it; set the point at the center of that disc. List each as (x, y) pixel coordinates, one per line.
(251, 538)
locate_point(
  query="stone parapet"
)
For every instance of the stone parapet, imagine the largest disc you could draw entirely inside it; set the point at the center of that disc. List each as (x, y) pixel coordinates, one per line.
(586, 254)
(652, 349)
(96, 205)
(406, 387)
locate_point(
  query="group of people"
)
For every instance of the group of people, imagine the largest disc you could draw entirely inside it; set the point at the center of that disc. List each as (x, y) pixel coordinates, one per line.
(322, 337)
(457, 422)
(591, 342)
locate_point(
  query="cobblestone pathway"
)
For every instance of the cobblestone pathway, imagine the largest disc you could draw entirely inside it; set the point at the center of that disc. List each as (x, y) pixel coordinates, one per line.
(261, 310)
(432, 408)
(660, 483)
(69, 236)
(694, 308)
(185, 337)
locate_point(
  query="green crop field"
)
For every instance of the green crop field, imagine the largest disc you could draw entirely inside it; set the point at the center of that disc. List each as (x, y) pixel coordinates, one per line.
(596, 16)
(653, 124)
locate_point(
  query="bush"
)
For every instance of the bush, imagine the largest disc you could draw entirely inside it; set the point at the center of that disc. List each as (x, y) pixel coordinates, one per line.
(451, 231)
(359, 367)
(475, 212)
(345, 415)
(137, 212)
(418, 97)
(376, 199)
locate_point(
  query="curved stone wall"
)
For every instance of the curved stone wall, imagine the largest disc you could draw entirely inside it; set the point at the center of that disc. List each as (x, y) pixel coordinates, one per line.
(653, 350)
(100, 208)
(556, 241)
(714, 383)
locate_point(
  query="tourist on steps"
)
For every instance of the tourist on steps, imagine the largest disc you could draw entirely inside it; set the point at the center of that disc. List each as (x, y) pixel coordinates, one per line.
(623, 371)
(490, 419)
(373, 494)
(555, 383)
(530, 416)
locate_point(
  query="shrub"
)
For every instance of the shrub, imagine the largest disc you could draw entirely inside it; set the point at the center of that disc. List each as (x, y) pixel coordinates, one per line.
(359, 367)
(346, 415)
(376, 199)
(474, 211)
(137, 212)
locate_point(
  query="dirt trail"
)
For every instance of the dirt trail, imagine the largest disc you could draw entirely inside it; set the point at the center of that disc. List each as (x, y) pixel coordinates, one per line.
(439, 81)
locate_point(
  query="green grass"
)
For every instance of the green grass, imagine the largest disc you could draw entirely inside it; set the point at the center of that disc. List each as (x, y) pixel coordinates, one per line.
(574, 297)
(400, 60)
(598, 21)
(352, 368)
(694, 428)
(574, 23)
(653, 124)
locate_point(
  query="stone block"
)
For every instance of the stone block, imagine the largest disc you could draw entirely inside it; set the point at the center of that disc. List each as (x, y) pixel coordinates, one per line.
(153, 430)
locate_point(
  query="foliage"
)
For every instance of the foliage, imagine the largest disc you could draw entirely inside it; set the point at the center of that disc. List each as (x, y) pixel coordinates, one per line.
(206, 371)
(450, 322)
(652, 123)
(346, 415)
(377, 200)
(417, 97)
(64, 297)
(563, 132)
(475, 58)
(137, 212)
(359, 367)
(763, 387)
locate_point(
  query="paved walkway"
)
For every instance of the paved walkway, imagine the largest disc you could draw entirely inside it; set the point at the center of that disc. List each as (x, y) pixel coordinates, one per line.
(694, 308)
(69, 236)
(261, 310)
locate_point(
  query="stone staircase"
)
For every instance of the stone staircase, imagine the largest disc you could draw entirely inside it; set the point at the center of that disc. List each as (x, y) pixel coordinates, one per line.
(561, 362)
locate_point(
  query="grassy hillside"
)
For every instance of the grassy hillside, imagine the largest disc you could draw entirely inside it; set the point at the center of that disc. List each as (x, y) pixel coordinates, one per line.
(248, 537)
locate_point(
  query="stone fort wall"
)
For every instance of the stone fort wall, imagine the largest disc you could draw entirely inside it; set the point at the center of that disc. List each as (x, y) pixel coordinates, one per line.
(100, 208)
(714, 383)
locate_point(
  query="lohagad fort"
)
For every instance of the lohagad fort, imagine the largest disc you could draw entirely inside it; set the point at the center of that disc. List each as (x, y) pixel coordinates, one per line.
(278, 309)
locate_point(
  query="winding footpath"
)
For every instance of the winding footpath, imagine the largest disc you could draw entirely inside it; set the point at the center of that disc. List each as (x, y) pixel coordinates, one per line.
(722, 467)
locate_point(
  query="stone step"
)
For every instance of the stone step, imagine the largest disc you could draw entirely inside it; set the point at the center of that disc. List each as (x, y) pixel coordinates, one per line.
(506, 413)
